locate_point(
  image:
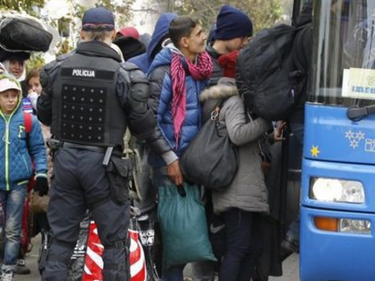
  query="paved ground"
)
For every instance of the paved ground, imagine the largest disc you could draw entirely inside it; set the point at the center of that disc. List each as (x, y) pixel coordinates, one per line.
(32, 262)
(290, 267)
(290, 270)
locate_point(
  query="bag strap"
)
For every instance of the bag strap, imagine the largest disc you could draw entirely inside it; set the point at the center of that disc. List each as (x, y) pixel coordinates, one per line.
(28, 121)
(215, 113)
(260, 146)
(275, 47)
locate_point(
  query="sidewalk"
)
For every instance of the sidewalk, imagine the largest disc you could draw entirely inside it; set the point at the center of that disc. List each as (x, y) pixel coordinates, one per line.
(290, 269)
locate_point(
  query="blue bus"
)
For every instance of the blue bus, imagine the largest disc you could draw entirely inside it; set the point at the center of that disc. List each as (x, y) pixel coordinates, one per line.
(337, 207)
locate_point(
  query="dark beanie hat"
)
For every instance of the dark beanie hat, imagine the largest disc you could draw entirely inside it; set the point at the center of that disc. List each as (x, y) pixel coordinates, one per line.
(232, 23)
(130, 47)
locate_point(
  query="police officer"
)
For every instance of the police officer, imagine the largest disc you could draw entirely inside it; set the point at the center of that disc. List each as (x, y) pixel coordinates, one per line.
(89, 98)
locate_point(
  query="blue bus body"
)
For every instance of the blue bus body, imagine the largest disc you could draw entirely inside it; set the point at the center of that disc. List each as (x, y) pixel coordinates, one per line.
(326, 255)
(337, 210)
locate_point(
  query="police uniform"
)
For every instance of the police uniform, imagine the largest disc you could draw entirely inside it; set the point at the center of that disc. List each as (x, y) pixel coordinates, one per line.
(89, 98)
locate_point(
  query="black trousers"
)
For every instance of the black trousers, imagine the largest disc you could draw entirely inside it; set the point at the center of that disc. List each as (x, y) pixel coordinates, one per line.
(79, 183)
(244, 245)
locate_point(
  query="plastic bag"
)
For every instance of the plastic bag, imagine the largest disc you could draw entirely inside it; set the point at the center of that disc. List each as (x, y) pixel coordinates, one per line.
(77, 260)
(183, 225)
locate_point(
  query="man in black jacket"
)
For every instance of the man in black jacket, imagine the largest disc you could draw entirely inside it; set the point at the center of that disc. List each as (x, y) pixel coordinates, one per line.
(89, 98)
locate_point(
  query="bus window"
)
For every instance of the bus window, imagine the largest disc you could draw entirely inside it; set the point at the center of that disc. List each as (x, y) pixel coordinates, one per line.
(344, 50)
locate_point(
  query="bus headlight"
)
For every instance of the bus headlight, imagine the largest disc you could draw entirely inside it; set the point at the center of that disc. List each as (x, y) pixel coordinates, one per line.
(354, 226)
(335, 190)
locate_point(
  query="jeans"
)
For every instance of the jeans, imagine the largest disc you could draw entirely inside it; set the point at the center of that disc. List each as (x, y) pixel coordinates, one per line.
(243, 245)
(174, 273)
(12, 202)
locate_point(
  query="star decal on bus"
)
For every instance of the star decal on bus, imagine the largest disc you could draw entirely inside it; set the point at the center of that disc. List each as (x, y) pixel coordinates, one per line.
(315, 151)
(354, 138)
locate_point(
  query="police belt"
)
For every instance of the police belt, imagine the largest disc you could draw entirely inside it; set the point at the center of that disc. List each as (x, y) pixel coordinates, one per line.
(83, 147)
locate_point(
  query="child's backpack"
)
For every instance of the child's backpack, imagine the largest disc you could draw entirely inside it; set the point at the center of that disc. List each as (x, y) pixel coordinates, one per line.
(267, 77)
(26, 245)
(28, 120)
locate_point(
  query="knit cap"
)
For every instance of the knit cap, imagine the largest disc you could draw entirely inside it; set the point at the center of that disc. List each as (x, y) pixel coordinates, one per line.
(232, 23)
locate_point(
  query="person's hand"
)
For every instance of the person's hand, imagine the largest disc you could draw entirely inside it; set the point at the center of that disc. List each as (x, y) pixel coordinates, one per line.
(41, 186)
(278, 131)
(174, 173)
(33, 97)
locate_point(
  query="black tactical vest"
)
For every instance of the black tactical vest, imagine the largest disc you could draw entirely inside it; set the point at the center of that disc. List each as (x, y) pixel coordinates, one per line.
(86, 107)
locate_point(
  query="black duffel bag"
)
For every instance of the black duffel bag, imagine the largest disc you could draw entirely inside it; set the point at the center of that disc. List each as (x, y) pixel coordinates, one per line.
(24, 34)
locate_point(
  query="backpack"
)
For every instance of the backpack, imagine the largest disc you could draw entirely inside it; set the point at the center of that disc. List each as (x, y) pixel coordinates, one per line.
(28, 120)
(267, 77)
(302, 51)
(26, 245)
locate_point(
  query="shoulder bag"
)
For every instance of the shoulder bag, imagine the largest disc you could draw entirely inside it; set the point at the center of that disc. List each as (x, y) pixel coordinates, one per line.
(211, 159)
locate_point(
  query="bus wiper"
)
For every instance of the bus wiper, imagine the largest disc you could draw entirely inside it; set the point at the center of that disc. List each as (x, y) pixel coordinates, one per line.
(356, 113)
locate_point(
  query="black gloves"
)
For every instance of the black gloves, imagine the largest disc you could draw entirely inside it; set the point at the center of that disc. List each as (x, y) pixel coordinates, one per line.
(41, 185)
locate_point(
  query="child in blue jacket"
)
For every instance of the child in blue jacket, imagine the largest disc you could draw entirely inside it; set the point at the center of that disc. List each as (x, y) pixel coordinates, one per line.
(20, 154)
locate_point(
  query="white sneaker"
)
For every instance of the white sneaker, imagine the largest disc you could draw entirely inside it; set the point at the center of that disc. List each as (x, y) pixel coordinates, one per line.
(7, 276)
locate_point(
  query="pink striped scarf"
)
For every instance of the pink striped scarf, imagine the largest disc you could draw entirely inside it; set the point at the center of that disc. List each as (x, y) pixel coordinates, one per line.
(199, 71)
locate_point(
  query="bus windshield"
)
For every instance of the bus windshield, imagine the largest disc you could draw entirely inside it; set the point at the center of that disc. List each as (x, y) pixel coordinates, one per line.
(343, 68)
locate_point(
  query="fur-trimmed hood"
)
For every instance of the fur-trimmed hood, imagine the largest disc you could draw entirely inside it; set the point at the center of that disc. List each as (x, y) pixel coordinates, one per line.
(225, 88)
(210, 97)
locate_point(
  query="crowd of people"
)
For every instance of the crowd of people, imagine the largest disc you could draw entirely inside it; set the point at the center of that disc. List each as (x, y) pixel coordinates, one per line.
(162, 89)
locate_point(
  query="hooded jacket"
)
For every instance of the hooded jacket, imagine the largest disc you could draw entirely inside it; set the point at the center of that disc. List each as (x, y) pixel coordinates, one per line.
(16, 153)
(161, 100)
(248, 190)
(161, 31)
